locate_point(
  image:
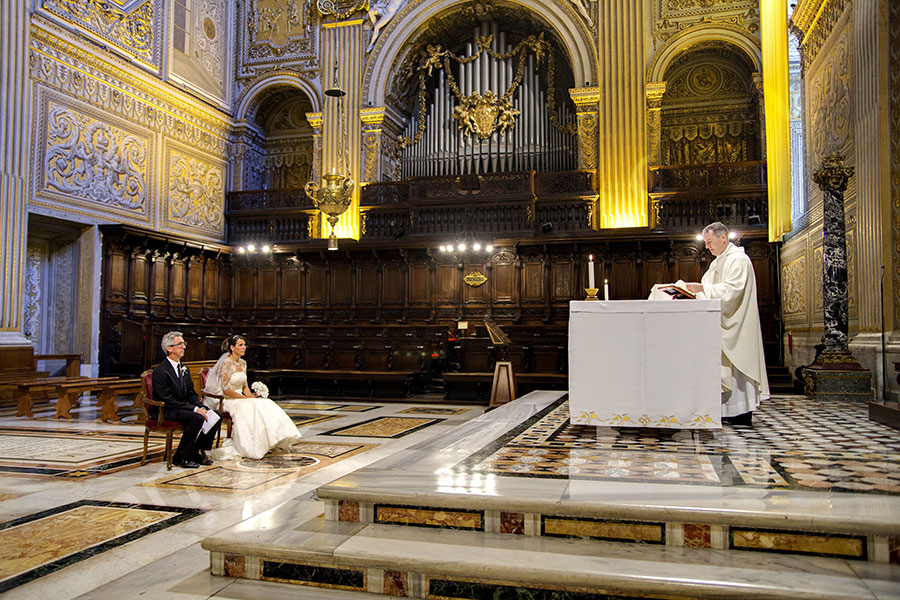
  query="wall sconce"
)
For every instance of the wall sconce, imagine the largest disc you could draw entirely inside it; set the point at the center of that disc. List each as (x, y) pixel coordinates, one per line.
(466, 242)
(253, 249)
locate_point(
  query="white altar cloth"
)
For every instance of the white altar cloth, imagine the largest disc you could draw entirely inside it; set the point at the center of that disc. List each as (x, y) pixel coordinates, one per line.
(643, 363)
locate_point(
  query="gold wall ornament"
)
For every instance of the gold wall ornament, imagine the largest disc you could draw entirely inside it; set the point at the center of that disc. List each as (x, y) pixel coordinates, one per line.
(131, 31)
(475, 279)
(332, 199)
(483, 115)
(341, 9)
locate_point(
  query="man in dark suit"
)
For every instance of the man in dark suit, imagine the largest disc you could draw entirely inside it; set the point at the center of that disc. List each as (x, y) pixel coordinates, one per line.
(172, 385)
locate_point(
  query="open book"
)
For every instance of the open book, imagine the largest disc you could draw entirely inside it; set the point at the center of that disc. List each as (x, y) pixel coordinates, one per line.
(676, 292)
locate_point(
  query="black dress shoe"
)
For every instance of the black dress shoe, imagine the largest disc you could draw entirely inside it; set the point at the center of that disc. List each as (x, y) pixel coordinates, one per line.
(741, 419)
(204, 461)
(186, 464)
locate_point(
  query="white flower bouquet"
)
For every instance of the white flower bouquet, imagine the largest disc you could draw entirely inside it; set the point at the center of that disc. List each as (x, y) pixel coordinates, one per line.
(260, 388)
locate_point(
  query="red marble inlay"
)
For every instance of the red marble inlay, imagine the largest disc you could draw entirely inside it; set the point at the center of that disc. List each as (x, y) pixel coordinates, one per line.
(234, 565)
(894, 550)
(396, 583)
(697, 536)
(512, 522)
(348, 511)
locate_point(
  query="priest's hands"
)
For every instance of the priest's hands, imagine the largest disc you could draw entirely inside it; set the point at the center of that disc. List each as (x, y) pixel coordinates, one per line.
(694, 287)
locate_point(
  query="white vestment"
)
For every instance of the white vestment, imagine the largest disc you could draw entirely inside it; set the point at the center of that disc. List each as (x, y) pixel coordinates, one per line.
(731, 279)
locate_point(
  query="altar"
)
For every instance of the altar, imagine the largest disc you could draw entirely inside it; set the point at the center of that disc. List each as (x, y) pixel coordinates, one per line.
(644, 363)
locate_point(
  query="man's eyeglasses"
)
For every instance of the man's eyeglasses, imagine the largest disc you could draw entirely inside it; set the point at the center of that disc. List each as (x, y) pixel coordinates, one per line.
(179, 344)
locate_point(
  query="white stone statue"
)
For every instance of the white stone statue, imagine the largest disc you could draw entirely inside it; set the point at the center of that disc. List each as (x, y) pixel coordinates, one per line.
(380, 15)
(584, 9)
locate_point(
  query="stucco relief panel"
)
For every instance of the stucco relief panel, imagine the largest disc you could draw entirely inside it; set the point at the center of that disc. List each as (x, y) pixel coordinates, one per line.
(816, 278)
(828, 101)
(57, 65)
(89, 160)
(134, 30)
(794, 287)
(198, 57)
(31, 297)
(194, 191)
(673, 16)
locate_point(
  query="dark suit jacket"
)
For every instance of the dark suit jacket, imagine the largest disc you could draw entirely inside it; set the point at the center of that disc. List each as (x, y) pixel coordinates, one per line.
(177, 392)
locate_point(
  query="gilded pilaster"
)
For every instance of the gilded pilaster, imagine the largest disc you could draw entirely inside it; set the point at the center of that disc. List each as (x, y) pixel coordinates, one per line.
(315, 121)
(761, 107)
(372, 121)
(621, 121)
(655, 92)
(872, 144)
(342, 48)
(15, 121)
(587, 106)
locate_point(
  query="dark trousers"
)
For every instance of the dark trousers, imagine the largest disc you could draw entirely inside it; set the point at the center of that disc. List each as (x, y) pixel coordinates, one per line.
(192, 440)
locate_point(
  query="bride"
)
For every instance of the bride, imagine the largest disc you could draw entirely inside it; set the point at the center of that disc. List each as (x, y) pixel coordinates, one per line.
(258, 423)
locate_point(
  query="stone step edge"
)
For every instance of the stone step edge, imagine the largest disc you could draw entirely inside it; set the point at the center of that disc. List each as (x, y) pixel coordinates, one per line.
(770, 517)
(379, 571)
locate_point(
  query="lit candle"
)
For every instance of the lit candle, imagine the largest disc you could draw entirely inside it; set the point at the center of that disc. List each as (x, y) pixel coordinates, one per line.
(591, 271)
(334, 170)
(606, 289)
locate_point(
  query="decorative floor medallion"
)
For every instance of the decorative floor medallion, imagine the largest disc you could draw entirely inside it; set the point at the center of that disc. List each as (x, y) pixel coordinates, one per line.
(247, 475)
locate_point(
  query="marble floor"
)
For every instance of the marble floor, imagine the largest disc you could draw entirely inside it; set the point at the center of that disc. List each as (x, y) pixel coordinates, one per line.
(81, 518)
(418, 497)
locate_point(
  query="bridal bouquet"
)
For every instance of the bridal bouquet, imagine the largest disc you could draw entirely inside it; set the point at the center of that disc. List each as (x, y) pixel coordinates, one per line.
(260, 388)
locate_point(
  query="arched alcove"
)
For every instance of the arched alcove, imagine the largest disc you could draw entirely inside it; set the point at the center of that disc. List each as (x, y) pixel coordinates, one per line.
(710, 110)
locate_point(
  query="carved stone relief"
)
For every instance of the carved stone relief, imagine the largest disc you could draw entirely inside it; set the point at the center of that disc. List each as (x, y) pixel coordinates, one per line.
(93, 161)
(828, 103)
(135, 31)
(670, 17)
(63, 298)
(275, 32)
(115, 91)
(196, 193)
(199, 47)
(794, 287)
(31, 296)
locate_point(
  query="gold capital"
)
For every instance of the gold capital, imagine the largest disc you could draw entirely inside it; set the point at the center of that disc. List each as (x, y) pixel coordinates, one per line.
(833, 175)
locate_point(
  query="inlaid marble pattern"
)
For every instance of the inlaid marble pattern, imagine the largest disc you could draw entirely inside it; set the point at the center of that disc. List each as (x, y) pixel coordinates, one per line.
(246, 475)
(652, 533)
(427, 517)
(384, 427)
(327, 406)
(794, 443)
(44, 542)
(71, 454)
(314, 575)
(843, 546)
(304, 420)
(432, 410)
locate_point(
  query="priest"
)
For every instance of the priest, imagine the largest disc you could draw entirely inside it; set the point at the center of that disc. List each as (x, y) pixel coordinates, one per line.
(731, 279)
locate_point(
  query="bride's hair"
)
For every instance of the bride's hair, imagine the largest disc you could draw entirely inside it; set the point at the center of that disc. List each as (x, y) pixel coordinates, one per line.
(230, 341)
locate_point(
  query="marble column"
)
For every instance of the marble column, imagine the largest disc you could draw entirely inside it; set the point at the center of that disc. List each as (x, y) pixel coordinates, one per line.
(15, 123)
(832, 180)
(835, 374)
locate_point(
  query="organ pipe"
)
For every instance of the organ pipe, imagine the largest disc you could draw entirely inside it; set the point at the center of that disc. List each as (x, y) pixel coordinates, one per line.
(532, 144)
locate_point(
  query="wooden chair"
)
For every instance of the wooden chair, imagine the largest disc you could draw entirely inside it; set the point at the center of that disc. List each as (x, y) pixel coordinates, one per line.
(159, 423)
(226, 416)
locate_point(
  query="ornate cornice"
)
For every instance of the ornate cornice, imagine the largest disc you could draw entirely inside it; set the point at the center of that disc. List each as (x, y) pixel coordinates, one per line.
(813, 21)
(115, 81)
(585, 96)
(372, 116)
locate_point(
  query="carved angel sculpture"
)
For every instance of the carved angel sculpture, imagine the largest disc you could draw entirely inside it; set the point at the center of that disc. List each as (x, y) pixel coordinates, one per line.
(380, 15)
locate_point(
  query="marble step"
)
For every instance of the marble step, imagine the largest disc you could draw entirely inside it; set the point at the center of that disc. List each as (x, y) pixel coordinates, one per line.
(854, 526)
(288, 545)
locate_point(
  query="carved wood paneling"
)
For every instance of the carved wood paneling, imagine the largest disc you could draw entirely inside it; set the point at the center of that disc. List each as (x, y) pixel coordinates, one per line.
(291, 305)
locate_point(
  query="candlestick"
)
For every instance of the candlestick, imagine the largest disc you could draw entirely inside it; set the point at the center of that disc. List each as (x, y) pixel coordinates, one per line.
(606, 289)
(590, 270)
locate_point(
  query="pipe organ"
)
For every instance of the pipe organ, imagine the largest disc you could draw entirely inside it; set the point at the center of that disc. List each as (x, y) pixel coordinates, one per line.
(532, 144)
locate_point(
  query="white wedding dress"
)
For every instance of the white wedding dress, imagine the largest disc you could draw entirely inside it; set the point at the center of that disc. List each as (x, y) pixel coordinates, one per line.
(258, 424)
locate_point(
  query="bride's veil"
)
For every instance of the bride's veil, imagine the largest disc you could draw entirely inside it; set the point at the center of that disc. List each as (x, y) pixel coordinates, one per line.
(214, 378)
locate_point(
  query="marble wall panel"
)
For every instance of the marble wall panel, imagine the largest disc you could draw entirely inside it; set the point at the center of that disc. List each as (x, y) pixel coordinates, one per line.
(91, 163)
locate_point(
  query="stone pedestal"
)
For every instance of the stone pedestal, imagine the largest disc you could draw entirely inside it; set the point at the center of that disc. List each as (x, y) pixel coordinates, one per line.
(835, 374)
